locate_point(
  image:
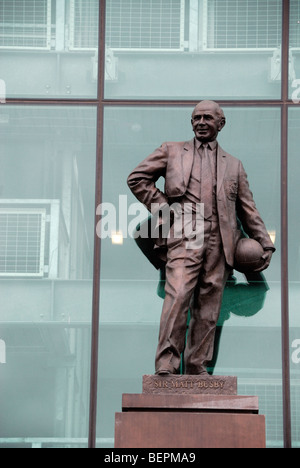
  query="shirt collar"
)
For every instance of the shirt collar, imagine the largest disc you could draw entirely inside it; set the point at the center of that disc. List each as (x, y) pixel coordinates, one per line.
(211, 144)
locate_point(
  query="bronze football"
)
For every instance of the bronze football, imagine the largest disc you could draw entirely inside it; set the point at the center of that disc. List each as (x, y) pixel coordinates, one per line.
(248, 255)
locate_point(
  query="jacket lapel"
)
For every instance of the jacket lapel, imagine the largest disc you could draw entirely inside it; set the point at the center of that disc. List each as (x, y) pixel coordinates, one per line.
(221, 167)
(187, 158)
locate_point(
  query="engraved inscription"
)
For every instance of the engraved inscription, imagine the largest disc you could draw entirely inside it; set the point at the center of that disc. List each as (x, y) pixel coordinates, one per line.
(190, 384)
(217, 384)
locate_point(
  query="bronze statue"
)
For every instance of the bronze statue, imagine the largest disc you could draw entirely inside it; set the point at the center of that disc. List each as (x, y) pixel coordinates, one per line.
(197, 171)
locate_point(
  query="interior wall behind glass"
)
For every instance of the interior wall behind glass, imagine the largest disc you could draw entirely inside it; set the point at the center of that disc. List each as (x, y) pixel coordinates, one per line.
(49, 48)
(192, 49)
(47, 161)
(130, 305)
(294, 268)
(294, 59)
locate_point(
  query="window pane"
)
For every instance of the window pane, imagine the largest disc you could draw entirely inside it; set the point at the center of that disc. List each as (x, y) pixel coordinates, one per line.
(294, 269)
(249, 345)
(48, 48)
(47, 159)
(249, 24)
(294, 71)
(187, 49)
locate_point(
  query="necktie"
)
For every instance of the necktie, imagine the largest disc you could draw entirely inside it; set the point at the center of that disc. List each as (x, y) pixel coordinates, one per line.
(206, 182)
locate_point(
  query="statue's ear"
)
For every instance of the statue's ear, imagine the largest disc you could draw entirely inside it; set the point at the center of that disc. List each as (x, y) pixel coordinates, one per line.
(222, 123)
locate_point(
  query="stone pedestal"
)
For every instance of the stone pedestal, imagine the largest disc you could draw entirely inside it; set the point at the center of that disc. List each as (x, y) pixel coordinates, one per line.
(189, 412)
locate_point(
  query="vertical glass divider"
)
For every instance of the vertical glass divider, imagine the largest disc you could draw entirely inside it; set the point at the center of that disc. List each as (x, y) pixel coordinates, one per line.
(97, 240)
(286, 394)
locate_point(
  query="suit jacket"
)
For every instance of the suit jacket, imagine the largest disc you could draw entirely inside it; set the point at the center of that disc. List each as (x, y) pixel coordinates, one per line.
(174, 161)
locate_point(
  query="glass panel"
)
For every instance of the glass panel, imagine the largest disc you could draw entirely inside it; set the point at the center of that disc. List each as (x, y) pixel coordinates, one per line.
(294, 270)
(249, 345)
(47, 159)
(294, 71)
(48, 48)
(186, 49)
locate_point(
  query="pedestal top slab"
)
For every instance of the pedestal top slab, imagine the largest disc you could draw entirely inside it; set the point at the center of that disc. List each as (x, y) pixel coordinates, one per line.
(180, 403)
(189, 384)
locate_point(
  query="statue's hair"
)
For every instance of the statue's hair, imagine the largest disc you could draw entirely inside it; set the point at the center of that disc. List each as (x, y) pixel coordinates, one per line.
(218, 108)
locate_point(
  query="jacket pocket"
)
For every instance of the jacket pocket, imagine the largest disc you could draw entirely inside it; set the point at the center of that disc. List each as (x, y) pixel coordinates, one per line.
(231, 188)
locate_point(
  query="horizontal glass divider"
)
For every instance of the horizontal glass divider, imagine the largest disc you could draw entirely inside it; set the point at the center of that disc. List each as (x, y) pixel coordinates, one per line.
(144, 103)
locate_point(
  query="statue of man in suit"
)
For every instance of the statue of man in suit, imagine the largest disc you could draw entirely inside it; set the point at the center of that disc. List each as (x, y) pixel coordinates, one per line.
(198, 171)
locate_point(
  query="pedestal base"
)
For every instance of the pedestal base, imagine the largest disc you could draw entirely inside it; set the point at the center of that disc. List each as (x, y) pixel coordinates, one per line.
(168, 420)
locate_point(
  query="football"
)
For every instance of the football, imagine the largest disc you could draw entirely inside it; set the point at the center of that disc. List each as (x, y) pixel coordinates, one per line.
(248, 256)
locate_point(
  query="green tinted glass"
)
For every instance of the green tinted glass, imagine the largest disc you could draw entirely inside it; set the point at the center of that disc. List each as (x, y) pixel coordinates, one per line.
(248, 338)
(47, 159)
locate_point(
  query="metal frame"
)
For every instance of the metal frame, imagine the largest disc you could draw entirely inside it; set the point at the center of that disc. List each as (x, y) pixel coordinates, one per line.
(73, 46)
(225, 49)
(52, 221)
(47, 37)
(40, 213)
(160, 49)
(284, 104)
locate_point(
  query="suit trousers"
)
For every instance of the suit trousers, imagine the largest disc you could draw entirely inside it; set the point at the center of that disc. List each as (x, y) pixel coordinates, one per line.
(195, 281)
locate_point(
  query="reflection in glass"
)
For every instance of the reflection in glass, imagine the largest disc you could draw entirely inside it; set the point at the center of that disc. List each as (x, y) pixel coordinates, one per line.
(192, 49)
(294, 268)
(48, 48)
(47, 160)
(294, 62)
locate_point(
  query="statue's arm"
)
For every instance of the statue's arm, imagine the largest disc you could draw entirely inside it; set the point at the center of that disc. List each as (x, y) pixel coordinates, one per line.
(248, 214)
(142, 180)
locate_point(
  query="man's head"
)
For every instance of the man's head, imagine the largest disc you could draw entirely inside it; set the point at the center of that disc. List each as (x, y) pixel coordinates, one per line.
(207, 121)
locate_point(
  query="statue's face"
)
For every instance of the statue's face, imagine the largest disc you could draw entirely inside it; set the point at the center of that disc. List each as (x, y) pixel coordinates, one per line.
(206, 121)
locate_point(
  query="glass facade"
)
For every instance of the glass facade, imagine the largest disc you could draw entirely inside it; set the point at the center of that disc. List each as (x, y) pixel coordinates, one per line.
(49, 48)
(48, 159)
(294, 270)
(177, 49)
(88, 89)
